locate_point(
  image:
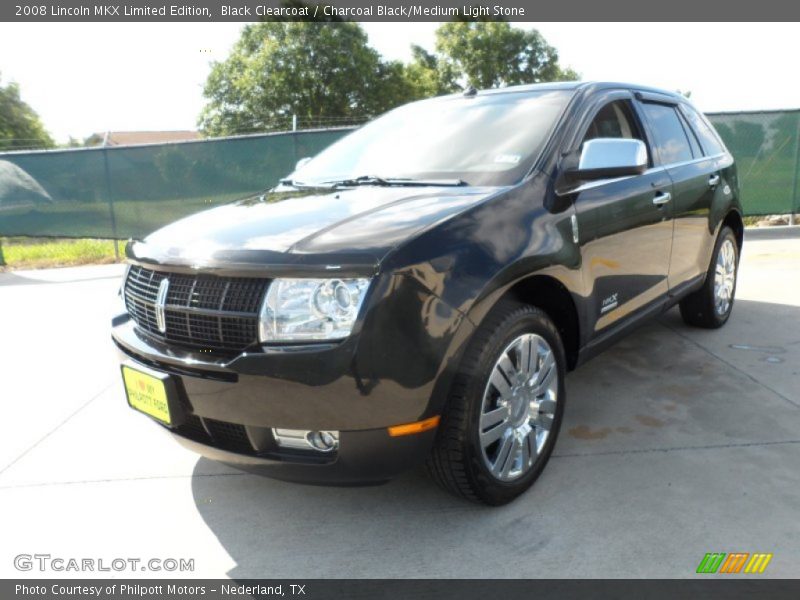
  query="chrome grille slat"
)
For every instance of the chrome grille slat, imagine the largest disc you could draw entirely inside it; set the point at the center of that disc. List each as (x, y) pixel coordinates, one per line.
(208, 312)
(203, 312)
(221, 304)
(188, 302)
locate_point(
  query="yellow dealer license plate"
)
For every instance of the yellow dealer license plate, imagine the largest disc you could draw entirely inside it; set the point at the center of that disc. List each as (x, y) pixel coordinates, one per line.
(147, 393)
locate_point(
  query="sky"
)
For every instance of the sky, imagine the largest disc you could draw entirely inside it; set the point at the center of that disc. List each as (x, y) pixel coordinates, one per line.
(84, 78)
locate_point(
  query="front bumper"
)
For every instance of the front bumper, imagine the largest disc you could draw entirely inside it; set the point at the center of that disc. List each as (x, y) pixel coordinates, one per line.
(363, 458)
(231, 405)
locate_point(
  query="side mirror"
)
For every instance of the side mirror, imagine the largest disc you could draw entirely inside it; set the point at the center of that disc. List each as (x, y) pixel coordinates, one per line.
(602, 158)
(302, 162)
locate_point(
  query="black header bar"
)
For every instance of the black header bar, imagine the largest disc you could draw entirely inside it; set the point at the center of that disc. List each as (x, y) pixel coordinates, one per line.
(707, 587)
(400, 11)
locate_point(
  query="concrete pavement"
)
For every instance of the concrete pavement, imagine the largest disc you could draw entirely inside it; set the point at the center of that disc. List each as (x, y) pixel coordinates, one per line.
(676, 442)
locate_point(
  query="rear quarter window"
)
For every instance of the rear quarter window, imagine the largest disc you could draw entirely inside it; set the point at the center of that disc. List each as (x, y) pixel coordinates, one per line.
(708, 138)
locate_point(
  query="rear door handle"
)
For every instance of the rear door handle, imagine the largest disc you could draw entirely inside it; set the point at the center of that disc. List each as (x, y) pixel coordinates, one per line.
(713, 180)
(662, 198)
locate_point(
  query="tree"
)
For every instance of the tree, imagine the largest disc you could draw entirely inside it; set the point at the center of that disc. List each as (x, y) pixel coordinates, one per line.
(495, 54)
(327, 74)
(429, 75)
(323, 73)
(20, 126)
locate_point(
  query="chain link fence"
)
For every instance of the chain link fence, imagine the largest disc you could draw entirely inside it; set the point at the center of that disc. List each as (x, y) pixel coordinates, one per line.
(128, 191)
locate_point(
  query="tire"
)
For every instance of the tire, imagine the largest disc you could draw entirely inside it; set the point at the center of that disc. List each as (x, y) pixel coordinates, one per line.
(711, 305)
(462, 460)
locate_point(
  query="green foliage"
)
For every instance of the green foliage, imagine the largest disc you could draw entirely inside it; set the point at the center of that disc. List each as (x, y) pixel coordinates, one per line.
(316, 71)
(429, 74)
(495, 54)
(326, 73)
(20, 126)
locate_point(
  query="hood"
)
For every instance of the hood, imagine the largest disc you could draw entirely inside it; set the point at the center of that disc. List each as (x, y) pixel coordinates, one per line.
(355, 225)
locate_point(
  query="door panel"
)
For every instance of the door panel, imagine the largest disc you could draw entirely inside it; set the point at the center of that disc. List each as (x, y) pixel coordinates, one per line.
(693, 179)
(625, 243)
(692, 200)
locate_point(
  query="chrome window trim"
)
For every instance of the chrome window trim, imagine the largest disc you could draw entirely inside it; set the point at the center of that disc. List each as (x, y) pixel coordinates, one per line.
(683, 163)
(601, 182)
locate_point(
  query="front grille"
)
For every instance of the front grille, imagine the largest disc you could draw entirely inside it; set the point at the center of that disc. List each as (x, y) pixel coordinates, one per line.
(193, 429)
(202, 312)
(229, 436)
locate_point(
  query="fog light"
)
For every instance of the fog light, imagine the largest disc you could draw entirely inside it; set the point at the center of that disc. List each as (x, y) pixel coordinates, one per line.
(303, 439)
(324, 441)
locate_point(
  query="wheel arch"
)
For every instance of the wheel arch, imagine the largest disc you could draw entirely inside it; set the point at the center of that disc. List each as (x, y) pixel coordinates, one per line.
(550, 295)
(544, 291)
(733, 219)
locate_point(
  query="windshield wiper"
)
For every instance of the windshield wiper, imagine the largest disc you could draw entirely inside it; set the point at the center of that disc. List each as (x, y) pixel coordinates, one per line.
(391, 181)
(360, 180)
(301, 185)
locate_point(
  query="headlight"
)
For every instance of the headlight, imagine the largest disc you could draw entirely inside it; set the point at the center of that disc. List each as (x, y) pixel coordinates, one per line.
(310, 309)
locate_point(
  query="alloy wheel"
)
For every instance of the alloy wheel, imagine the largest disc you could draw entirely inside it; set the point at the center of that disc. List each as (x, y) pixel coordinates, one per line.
(724, 277)
(518, 408)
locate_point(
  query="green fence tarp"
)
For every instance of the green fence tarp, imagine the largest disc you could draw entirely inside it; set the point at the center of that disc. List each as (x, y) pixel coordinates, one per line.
(129, 191)
(766, 145)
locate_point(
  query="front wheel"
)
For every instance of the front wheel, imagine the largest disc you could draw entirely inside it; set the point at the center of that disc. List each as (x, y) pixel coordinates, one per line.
(505, 410)
(711, 305)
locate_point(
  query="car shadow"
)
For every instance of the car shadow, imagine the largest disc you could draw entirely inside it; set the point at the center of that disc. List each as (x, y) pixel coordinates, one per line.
(10, 278)
(276, 529)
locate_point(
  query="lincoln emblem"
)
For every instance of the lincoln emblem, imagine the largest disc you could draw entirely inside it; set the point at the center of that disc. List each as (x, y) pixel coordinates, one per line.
(161, 302)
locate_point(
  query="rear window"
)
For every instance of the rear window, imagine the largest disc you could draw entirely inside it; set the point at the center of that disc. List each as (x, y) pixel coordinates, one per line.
(708, 139)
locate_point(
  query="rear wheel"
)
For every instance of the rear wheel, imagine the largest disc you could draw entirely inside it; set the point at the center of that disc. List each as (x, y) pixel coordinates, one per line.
(710, 306)
(504, 412)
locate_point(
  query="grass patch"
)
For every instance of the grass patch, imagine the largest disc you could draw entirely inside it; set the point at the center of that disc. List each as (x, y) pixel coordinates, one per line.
(39, 253)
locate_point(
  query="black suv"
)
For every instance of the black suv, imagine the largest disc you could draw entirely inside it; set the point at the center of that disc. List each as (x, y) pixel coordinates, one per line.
(418, 291)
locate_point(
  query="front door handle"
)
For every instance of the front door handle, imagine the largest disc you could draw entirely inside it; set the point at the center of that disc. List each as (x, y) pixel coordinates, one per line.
(713, 180)
(661, 198)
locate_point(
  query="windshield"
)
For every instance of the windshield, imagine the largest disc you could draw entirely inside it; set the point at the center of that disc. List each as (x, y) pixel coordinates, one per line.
(483, 140)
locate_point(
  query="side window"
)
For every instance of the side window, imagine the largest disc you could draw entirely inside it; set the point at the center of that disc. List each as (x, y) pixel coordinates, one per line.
(708, 139)
(670, 137)
(614, 120)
